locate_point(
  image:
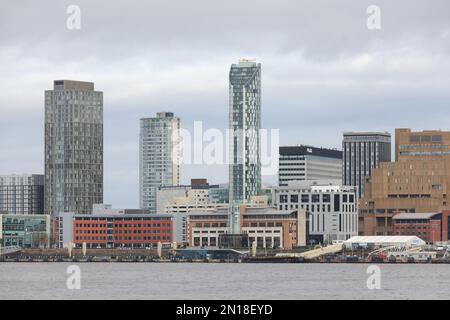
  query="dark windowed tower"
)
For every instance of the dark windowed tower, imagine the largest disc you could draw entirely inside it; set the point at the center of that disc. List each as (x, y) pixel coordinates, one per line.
(363, 151)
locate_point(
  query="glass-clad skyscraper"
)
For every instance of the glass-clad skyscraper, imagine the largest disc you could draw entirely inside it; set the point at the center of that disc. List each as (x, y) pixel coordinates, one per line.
(244, 124)
(73, 147)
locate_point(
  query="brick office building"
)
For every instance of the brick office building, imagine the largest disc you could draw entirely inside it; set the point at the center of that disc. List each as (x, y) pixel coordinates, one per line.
(112, 230)
(418, 181)
(430, 227)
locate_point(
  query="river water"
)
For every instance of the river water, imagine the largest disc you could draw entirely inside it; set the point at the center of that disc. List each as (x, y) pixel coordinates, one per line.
(223, 281)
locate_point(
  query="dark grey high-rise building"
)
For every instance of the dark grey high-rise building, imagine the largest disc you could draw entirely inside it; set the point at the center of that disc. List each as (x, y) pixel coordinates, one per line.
(22, 194)
(73, 147)
(245, 125)
(363, 151)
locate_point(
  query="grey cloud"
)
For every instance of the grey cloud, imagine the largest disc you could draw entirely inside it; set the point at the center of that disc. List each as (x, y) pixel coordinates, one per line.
(323, 71)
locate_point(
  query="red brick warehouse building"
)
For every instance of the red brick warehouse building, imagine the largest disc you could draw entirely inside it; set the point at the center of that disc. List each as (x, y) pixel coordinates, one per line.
(113, 230)
(430, 227)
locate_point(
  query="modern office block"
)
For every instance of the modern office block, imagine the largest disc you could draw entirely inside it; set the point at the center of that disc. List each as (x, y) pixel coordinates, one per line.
(26, 231)
(159, 156)
(332, 208)
(73, 147)
(112, 230)
(298, 163)
(22, 194)
(363, 151)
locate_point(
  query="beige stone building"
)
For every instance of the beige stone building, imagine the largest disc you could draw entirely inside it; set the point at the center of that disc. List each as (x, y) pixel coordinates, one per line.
(417, 181)
(267, 226)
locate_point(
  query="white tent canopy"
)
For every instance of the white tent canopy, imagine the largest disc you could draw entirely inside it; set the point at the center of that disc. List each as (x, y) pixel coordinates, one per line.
(383, 241)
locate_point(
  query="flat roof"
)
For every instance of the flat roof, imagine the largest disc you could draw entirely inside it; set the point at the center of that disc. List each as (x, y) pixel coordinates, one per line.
(415, 216)
(120, 216)
(309, 150)
(385, 239)
(268, 211)
(368, 133)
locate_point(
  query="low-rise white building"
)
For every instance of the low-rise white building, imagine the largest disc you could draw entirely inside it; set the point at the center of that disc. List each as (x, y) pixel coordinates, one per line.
(383, 241)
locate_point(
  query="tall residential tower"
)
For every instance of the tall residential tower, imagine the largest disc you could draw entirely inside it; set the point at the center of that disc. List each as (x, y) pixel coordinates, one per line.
(244, 125)
(73, 147)
(159, 156)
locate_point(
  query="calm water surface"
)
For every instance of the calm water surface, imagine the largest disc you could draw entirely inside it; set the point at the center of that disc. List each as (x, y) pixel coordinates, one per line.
(222, 281)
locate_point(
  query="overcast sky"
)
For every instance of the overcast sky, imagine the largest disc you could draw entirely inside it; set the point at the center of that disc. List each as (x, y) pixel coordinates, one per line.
(323, 71)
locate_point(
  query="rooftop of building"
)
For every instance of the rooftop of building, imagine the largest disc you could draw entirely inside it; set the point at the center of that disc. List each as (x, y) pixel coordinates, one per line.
(21, 175)
(248, 211)
(386, 240)
(268, 211)
(36, 178)
(118, 216)
(161, 115)
(73, 85)
(193, 187)
(366, 133)
(415, 216)
(246, 62)
(310, 150)
(316, 185)
(5, 214)
(423, 131)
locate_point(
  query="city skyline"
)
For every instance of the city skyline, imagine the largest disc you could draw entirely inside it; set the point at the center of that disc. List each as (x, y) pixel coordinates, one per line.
(317, 84)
